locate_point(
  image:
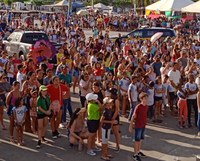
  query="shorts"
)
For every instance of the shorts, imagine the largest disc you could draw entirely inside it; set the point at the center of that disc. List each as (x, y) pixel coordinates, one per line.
(116, 120)
(105, 135)
(172, 96)
(157, 99)
(92, 125)
(41, 116)
(10, 110)
(139, 134)
(75, 73)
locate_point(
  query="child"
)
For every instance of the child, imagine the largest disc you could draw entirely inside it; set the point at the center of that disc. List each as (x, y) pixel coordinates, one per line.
(106, 123)
(159, 90)
(132, 95)
(98, 72)
(150, 102)
(182, 106)
(165, 94)
(33, 110)
(140, 119)
(19, 116)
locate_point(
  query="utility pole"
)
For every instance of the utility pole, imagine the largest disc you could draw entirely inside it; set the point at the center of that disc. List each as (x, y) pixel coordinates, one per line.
(92, 4)
(69, 7)
(134, 3)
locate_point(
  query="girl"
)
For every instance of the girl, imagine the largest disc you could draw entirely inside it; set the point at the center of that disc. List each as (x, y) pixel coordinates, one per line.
(182, 106)
(19, 117)
(10, 103)
(43, 110)
(33, 112)
(106, 123)
(159, 90)
(77, 128)
(98, 72)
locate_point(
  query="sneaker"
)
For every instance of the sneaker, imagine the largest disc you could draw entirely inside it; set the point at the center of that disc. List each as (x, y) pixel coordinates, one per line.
(117, 150)
(136, 158)
(91, 153)
(57, 133)
(54, 135)
(62, 126)
(38, 144)
(96, 149)
(44, 140)
(140, 154)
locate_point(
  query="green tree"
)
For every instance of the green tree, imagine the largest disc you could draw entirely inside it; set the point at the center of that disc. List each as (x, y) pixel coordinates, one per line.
(8, 2)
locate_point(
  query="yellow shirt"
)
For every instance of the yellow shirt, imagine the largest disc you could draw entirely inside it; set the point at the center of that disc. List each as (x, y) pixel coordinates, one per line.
(58, 57)
(69, 63)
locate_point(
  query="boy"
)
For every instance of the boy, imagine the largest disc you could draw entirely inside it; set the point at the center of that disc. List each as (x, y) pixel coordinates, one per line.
(140, 119)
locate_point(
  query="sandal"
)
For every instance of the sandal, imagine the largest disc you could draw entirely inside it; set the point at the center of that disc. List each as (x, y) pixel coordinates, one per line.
(109, 156)
(105, 158)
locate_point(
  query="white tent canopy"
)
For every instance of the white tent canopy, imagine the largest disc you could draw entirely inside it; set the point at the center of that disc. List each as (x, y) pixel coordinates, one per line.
(193, 8)
(154, 6)
(174, 5)
(169, 5)
(62, 3)
(101, 6)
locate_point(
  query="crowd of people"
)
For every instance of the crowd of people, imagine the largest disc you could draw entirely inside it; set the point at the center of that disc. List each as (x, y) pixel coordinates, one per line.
(149, 79)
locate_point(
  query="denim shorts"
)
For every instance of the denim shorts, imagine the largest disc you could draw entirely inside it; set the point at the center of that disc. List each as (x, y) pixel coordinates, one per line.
(139, 134)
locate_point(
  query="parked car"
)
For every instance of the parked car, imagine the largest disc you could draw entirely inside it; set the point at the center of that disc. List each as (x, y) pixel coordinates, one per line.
(146, 33)
(22, 42)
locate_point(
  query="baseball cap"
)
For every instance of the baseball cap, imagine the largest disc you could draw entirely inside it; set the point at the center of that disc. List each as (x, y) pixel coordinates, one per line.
(42, 88)
(91, 96)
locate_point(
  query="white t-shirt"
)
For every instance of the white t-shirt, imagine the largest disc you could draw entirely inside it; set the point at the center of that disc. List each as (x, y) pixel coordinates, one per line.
(93, 59)
(20, 112)
(197, 81)
(19, 78)
(158, 88)
(150, 100)
(175, 76)
(192, 87)
(82, 84)
(132, 88)
(124, 84)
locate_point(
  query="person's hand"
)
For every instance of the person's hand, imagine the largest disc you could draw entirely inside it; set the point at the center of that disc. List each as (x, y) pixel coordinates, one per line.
(81, 140)
(48, 112)
(130, 128)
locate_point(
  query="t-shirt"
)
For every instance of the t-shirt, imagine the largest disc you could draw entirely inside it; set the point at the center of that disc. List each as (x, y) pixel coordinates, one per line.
(158, 88)
(56, 93)
(150, 100)
(44, 103)
(107, 114)
(134, 93)
(82, 84)
(66, 78)
(192, 87)
(141, 116)
(93, 111)
(175, 77)
(20, 112)
(20, 78)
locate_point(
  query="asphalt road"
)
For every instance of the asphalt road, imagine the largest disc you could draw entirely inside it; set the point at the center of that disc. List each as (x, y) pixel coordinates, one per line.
(163, 142)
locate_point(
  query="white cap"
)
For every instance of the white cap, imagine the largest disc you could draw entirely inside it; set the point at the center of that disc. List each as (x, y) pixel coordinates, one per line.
(91, 96)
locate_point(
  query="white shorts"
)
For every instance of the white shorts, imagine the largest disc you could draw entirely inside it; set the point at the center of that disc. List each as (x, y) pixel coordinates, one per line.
(105, 135)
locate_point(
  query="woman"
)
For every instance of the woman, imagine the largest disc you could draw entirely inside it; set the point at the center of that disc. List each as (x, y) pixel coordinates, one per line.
(43, 110)
(198, 103)
(84, 86)
(115, 117)
(10, 70)
(5, 87)
(30, 84)
(56, 92)
(93, 117)
(12, 96)
(77, 128)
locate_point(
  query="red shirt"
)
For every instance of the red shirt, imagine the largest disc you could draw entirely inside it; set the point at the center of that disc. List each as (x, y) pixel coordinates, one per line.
(141, 116)
(56, 93)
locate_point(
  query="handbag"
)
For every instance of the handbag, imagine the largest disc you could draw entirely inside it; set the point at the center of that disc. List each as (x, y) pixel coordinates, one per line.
(55, 105)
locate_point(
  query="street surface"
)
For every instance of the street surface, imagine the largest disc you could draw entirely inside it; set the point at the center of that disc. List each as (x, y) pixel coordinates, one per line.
(163, 142)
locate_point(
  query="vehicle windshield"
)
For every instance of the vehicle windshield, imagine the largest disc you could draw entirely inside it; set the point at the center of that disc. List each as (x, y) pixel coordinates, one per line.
(32, 38)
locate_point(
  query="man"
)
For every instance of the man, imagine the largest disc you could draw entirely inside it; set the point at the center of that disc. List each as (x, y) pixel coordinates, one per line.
(174, 78)
(64, 76)
(140, 119)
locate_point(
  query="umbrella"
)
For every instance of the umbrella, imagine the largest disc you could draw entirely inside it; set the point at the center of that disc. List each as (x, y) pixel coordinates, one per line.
(41, 53)
(47, 44)
(156, 36)
(82, 12)
(26, 19)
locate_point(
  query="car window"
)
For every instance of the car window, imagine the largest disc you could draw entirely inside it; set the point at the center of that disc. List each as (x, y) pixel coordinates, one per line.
(166, 33)
(17, 37)
(137, 33)
(12, 36)
(32, 38)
